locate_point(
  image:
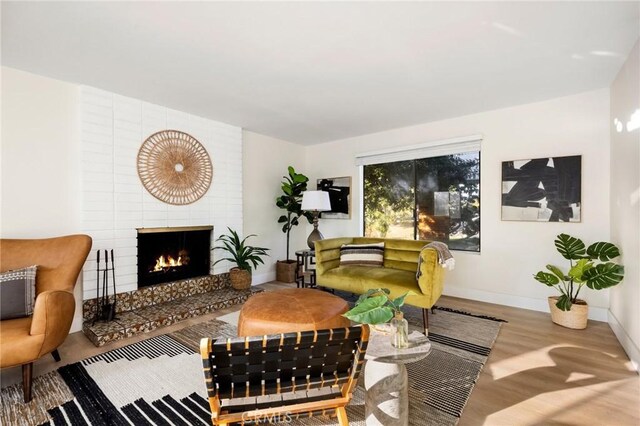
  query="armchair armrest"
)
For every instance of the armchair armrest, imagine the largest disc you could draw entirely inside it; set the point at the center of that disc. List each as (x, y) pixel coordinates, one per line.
(431, 279)
(52, 316)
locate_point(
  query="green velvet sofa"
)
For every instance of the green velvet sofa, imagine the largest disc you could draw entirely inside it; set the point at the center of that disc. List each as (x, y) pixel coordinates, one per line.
(398, 273)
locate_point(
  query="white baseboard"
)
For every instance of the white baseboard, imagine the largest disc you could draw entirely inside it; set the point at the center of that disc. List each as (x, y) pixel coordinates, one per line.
(541, 305)
(263, 278)
(629, 346)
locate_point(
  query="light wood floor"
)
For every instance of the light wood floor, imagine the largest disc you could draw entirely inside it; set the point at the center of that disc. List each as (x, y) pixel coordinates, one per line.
(538, 373)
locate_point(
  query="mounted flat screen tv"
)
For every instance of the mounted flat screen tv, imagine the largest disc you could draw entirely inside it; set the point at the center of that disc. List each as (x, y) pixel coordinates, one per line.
(339, 190)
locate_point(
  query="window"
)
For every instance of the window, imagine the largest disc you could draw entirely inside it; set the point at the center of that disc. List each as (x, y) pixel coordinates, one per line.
(433, 198)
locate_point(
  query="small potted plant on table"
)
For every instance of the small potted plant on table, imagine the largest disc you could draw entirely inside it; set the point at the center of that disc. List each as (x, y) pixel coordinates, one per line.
(377, 307)
(242, 255)
(589, 266)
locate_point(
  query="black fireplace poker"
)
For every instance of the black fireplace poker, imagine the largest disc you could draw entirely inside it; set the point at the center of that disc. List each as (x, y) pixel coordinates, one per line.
(105, 309)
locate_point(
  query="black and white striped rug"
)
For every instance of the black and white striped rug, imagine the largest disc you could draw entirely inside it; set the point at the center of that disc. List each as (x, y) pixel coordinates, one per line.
(154, 382)
(159, 381)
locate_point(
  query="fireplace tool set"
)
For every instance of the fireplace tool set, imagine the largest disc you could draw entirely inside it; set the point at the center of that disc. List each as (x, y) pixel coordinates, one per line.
(105, 309)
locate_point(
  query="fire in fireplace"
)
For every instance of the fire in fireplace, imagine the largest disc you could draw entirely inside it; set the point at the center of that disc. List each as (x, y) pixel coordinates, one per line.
(163, 265)
(170, 254)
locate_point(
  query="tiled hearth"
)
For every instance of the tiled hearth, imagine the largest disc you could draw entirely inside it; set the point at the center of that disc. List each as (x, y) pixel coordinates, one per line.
(162, 305)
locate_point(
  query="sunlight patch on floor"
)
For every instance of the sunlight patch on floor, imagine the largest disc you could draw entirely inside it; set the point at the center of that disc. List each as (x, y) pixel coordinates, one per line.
(533, 359)
(576, 377)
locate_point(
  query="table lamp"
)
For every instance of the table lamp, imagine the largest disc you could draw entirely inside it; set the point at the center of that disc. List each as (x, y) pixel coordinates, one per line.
(316, 202)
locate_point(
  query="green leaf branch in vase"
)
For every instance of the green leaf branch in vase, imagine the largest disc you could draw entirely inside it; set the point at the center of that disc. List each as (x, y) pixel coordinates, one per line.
(376, 307)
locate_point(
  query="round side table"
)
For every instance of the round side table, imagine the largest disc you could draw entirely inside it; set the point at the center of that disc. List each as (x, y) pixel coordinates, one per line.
(386, 380)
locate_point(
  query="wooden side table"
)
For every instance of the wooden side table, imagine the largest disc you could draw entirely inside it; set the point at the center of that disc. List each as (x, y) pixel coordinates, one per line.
(386, 380)
(305, 270)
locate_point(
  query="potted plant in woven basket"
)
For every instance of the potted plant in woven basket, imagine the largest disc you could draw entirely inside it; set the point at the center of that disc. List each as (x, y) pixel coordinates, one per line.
(242, 255)
(292, 188)
(590, 266)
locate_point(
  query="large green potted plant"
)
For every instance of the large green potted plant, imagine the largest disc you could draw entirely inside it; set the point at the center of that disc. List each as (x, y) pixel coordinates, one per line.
(590, 266)
(242, 255)
(290, 201)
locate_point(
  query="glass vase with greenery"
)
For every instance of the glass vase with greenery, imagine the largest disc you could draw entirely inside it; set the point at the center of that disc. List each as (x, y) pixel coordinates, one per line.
(590, 266)
(377, 307)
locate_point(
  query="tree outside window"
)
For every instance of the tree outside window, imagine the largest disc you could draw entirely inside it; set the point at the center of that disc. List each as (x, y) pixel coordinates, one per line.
(435, 198)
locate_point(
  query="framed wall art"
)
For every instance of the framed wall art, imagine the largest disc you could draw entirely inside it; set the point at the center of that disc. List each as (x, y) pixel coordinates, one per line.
(339, 189)
(542, 189)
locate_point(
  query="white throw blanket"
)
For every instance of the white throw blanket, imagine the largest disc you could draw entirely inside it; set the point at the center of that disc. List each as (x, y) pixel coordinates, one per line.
(445, 258)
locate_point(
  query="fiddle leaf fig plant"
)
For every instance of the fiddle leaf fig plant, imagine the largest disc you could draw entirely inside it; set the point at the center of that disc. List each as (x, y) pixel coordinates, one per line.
(376, 307)
(292, 187)
(590, 266)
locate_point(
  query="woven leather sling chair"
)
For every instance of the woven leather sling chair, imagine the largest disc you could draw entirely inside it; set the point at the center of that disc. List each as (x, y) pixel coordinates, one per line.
(276, 378)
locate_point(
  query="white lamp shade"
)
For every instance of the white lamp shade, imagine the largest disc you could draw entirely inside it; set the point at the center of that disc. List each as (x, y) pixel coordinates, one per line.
(316, 200)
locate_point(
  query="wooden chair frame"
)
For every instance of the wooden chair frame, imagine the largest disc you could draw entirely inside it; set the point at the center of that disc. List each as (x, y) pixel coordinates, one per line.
(283, 376)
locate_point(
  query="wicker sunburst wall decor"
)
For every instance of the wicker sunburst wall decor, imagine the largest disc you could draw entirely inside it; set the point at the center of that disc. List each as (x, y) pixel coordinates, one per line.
(174, 167)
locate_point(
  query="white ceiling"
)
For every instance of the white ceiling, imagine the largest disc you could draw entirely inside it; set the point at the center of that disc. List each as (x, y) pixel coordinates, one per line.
(314, 72)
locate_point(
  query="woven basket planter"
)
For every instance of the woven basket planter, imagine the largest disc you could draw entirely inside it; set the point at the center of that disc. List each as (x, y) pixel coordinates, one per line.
(286, 271)
(240, 278)
(576, 318)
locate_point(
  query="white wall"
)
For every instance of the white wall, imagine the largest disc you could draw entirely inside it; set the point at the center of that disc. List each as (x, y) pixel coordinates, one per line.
(40, 153)
(114, 202)
(265, 162)
(511, 251)
(624, 315)
(40, 173)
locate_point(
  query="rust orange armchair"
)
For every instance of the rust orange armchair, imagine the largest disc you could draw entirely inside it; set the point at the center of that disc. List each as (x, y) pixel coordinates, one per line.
(59, 261)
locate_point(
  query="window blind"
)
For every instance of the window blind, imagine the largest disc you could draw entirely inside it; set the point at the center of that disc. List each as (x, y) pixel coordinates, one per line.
(424, 150)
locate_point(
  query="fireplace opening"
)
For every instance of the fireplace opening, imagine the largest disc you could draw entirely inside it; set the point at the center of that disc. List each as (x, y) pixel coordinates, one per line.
(171, 254)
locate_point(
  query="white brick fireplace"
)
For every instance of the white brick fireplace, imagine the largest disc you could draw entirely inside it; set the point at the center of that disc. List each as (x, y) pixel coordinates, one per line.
(114, 202)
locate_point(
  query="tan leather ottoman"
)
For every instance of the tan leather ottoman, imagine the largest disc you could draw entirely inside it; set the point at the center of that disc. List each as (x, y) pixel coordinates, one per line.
(294, 309)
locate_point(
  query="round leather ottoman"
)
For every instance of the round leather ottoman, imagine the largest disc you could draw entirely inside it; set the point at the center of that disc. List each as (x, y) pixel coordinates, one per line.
(294, 309)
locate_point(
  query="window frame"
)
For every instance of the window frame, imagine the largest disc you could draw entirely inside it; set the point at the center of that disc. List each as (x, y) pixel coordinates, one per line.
(440, 148)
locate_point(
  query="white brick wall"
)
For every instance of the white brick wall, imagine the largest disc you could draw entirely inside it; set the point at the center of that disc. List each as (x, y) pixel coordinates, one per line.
(114, 202)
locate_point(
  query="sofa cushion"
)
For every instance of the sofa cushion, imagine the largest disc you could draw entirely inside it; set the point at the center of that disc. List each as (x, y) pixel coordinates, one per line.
(358, 279)
(17, 293)
(371, 255)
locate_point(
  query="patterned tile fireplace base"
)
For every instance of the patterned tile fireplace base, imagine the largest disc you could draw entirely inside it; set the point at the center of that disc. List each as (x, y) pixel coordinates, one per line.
(144, 310)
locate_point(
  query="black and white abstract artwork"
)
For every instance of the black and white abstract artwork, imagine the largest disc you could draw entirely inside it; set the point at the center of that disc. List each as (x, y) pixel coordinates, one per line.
(542, 189)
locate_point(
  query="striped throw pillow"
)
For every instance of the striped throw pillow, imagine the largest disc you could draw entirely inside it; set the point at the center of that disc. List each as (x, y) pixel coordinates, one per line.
(17, 293)
(362, 254)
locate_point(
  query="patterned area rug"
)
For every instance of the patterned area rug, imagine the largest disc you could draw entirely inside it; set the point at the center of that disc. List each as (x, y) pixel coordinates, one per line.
(159, 381)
